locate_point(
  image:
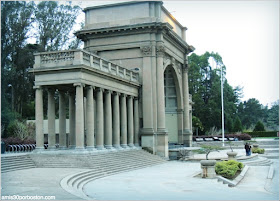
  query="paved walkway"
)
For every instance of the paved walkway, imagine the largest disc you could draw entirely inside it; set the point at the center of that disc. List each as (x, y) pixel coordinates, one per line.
(174, 181)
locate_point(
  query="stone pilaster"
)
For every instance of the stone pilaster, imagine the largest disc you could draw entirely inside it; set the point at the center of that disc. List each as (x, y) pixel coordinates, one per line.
(186, 122)
(90, 119)
(51, 119)
(136, 122)
(99, 119)
(162, 136)
(116, 120)
(39, 113)
(123, 121)
(130, 121)
(108, 120)
(62, 120)
(147, 133)
(72, 136)
(80, 144)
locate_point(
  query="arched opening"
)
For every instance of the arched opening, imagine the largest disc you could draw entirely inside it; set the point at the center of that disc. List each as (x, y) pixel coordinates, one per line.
(171, 104)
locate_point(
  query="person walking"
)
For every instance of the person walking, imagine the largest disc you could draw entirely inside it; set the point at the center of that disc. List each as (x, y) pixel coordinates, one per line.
(247, 148)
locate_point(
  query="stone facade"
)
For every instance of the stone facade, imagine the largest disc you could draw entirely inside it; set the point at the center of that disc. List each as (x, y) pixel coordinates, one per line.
(118, 81)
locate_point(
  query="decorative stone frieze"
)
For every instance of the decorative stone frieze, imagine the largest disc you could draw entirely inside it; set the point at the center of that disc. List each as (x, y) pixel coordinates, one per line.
(146, 50)
(57, 56)
(160, 50)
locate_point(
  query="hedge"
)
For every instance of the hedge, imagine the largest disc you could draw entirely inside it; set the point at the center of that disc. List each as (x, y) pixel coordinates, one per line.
(263, 134)
(228, 169)
(241, 136)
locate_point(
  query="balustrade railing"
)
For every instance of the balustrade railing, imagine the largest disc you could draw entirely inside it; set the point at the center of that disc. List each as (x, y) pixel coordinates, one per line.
(82, 57)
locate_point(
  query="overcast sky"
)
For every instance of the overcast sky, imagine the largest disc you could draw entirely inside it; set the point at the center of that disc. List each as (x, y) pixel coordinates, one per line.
(244, 33)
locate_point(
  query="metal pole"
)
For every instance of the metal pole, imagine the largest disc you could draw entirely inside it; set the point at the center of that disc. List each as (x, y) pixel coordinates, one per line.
(222, 100)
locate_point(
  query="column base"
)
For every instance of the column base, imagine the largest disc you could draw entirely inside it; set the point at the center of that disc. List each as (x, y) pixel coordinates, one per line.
(131, 145)
(63, 148)
(80, 149)
(124, 146)
(117, 146)
(187, 137)
(162, 143)
(109, 147)
(90, 148)
(100, 147)
(72, 146)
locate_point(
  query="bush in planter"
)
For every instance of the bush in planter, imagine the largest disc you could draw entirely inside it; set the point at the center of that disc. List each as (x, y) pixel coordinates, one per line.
(228, 169)
(257, 150)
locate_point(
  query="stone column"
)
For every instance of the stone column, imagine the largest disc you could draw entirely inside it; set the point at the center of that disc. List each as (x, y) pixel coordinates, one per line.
(136, 122)
(116, 120)
(51, 119)
(130, 121)
(162, 136)
(90, 119)
(72, 136)
(62, 120)
(147, 137)
(99, 120)
(123, 121)
(186, 123)
(108, 120)
(39, 113)
(80, 145)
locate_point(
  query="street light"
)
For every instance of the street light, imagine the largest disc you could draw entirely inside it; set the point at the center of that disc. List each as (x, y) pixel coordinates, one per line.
(222, 100)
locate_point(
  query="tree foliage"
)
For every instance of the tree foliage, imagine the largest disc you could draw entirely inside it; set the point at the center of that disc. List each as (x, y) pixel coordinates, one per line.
(20, 20)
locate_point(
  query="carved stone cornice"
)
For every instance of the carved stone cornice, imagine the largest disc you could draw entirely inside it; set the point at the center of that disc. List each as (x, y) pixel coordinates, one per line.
(146, 50)
(160, 51)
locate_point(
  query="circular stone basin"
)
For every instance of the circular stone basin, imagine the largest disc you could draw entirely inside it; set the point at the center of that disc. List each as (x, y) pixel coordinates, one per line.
(208, 162)
(232, 153)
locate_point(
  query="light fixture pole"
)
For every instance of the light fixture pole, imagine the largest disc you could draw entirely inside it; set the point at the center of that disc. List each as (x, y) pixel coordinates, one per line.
(222, 100)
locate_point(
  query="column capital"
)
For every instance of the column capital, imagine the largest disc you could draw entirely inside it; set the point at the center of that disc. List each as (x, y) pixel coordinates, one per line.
(130, 96)
(107, 91)
(136, 98)
(185, 68)
(146, 50)
(160, 50)
(90, 87)
(38, 87)
(99, 89)
(116, 93)
(79, 85)
(124, 95)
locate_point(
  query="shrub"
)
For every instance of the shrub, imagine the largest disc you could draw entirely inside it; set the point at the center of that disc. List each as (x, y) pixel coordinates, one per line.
(257, 150)
(259, 126)
(17, 129)
(228, 169)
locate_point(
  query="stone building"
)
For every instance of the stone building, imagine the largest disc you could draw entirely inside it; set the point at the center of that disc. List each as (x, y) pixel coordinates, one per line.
(128, 87)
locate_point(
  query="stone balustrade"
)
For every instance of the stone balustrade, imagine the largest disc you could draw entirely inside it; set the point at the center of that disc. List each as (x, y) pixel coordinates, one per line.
(82, 57)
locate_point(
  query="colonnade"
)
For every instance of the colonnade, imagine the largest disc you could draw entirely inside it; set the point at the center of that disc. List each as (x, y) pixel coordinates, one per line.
(116, 125)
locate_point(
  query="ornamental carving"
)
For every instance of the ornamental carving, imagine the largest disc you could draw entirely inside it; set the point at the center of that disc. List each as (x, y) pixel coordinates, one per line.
(146, 50)
(57, 57)
(160, 50)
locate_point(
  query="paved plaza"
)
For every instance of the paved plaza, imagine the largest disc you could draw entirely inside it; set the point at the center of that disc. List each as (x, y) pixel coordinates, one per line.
(173, 180)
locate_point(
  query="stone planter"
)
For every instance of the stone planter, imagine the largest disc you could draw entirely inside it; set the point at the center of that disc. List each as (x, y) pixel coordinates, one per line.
(255, 145)
(231, 155)
(208, 168)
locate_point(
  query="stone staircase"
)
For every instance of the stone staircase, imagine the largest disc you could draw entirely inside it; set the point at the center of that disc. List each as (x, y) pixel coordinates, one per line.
(255, 160)
(104, 165)
(18, 162)
(96, 161)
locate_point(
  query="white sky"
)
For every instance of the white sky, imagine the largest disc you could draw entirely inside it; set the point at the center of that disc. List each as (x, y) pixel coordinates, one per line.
(244, 33)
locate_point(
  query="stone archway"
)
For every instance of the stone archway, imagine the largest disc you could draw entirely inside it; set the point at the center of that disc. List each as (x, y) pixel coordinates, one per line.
(172, 95)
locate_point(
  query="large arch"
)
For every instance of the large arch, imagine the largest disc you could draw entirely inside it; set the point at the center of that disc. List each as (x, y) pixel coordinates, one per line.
(173, 103)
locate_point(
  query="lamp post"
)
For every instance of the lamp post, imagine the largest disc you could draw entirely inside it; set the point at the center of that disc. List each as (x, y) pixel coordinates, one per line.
(222, 100)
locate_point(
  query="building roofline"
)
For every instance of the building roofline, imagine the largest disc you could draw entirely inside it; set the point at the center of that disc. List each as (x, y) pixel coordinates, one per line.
(116, 4)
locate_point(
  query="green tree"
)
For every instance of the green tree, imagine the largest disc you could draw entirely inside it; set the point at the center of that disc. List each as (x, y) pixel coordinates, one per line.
(237, 126)
(259, 126)
(205, 87)
(55, 22)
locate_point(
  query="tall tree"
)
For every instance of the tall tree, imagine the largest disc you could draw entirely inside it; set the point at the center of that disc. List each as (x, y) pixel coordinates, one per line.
(16, 21)
(55, 22)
